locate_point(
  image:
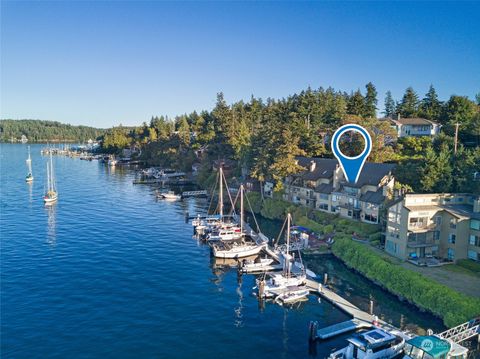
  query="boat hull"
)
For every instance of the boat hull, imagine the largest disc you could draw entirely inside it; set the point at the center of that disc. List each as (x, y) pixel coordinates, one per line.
(237, 252)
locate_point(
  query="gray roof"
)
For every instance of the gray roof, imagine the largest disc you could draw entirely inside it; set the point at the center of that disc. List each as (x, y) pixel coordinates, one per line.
(372, 173)
(373, 197)
(324, 168)
(324, 188)
(461, 210)
(414, 121)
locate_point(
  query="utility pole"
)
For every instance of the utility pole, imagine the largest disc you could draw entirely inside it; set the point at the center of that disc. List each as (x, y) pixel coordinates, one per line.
(456, 136)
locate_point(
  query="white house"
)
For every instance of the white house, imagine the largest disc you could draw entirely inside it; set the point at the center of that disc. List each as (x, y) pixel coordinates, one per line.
(415, 127)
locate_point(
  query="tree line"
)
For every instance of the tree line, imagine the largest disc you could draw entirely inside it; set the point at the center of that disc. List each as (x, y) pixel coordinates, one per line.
(265, 136)
(43, 131)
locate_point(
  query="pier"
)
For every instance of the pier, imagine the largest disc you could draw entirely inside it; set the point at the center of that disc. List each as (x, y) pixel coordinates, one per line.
(189, 194)
(360, 319)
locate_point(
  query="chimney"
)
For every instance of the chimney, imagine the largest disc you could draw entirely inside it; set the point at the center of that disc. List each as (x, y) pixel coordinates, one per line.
(476, 205)
(313, 164)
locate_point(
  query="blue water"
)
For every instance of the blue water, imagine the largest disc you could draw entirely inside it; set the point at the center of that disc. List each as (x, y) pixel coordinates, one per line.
(109, 271)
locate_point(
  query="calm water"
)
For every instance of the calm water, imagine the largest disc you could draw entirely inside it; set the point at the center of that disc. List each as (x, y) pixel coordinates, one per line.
(110, 272)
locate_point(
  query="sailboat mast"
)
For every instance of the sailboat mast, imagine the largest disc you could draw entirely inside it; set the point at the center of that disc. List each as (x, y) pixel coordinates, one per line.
(48, 177)
(52, 180)
(221, 193)
(241, 208)
(288, 244)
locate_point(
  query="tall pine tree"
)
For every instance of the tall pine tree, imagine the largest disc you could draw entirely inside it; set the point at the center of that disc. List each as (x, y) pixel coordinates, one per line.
(408, 107)
(431, 107)
(371, 101)
(389, 105)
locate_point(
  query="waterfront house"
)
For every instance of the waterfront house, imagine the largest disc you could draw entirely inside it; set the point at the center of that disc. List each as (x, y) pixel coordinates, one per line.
(323, 186)
(406, 127)
(438, 225)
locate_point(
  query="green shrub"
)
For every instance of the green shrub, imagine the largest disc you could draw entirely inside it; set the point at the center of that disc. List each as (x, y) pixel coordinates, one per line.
(274, 208)
(328, 228)
(469, 264)
(375, 237)
(255, 200)
(453, 307)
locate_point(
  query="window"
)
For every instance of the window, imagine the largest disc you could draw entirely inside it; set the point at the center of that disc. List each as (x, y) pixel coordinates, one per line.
(475, 224)
(438, 220)
(473, 255)
(474, 240)
(391, 247)
(436, 235)
(451, 238)
(333, 209)
(371, 218)
(323, 206)
(451, 254)
(453, 223)
(418, 222)
(323, 196)
(334, 198)
(350, 213)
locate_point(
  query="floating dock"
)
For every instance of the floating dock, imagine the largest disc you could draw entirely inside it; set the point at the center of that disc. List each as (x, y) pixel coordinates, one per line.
(188, 194)
(360, 319)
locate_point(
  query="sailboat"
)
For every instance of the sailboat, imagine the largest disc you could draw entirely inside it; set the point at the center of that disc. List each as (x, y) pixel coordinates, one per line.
(244, 246)
(29, 177)
(288, 286)
(51, 194)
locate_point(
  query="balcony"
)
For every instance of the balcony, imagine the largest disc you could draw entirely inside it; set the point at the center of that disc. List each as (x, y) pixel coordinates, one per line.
(419, 243)
(421, 227)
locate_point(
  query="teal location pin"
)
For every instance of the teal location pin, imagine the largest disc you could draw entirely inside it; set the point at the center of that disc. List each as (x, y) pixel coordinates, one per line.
(351, 166)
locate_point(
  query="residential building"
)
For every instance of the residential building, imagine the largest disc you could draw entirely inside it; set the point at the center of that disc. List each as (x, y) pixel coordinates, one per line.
(415, 127)
(323, 186)
(435, 225)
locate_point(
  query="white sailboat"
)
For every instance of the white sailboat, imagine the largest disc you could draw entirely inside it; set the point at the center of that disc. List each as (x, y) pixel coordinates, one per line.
(289, 286)
(29, 177)
(241, 248)
(51, 194)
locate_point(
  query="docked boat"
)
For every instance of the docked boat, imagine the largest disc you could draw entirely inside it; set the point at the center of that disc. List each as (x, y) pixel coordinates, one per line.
(170, 196)
(433, 347)
(373, 344)
(244, 246)
(260, 265)
(29, 177)
(278, 283)
(112, 161)
(51, 194)
(292, 295)
(225, 233)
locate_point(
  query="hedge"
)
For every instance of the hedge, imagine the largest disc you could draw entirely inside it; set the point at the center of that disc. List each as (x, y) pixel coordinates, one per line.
(453, 307)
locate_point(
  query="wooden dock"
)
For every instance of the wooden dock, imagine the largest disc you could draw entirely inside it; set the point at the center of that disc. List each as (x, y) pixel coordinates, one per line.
(188, 194)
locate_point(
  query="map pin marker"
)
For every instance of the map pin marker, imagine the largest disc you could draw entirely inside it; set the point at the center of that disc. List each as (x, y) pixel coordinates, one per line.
(351, 166)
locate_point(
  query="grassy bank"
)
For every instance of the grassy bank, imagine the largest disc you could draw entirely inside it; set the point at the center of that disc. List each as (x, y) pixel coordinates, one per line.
(449, 305)
(453, 307)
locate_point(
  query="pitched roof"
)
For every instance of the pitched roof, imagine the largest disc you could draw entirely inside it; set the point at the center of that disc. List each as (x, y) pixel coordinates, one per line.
(324, 168)
(324, 188)
(372, 173)
(373, 197)
(414, 121)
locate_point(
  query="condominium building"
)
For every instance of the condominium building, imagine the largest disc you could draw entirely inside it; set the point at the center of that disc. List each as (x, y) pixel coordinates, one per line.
(445, 226)
(323, 186)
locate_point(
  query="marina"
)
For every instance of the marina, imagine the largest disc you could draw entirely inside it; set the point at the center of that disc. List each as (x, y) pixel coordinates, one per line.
(342, 316)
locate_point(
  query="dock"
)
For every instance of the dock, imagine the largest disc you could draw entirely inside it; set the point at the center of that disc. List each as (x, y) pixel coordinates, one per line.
(359, 318)
(189, 194)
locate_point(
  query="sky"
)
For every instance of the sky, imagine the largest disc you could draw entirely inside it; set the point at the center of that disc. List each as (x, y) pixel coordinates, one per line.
(118, 62)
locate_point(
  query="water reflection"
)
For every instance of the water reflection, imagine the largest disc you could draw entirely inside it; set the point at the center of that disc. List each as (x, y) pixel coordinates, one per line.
(238, 310)
(30, 192)
(51, 224)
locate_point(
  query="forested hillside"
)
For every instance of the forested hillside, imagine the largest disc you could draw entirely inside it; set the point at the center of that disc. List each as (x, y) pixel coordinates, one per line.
(43, 131)
(264, 136)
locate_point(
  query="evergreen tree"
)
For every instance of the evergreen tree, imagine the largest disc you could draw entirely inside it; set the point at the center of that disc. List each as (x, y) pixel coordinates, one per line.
(356, 104)
(431, 107)
(370, 101)
(408, 107)
(436, 172)
(389, 105)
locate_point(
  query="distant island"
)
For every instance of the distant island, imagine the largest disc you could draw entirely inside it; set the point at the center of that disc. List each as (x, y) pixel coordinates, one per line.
(46, 131)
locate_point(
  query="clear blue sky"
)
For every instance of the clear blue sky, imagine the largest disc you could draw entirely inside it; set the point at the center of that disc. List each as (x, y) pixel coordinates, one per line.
(105, 63)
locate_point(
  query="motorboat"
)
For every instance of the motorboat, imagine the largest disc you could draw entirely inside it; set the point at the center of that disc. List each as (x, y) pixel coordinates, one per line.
(260, 265)
(170, 195)
(225, 234)
(235, 249)
(433, 347)
(372, 344)
(292, 295)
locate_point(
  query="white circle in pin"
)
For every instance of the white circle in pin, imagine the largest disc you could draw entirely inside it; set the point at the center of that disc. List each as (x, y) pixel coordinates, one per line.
(339, 133)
